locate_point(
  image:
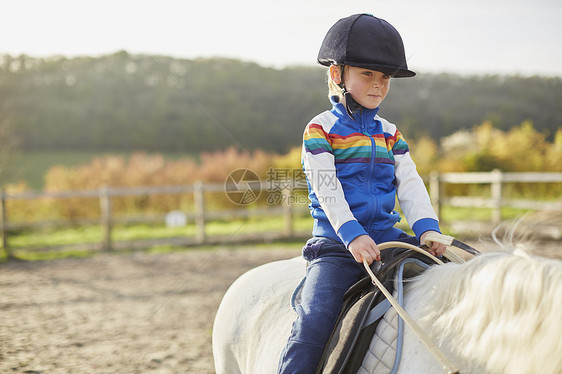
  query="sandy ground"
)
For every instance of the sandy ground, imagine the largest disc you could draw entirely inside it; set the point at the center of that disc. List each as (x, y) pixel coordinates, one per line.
(133, 313)
(136, 313)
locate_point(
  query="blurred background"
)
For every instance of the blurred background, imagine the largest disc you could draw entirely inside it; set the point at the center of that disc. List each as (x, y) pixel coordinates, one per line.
(122, 121)
(143, 93)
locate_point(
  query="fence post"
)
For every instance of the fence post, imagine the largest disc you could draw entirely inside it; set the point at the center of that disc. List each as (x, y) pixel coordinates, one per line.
(4, 223)
(435, 192)
(496, 191)
(287, 212)
(105, 210)
(199, 199)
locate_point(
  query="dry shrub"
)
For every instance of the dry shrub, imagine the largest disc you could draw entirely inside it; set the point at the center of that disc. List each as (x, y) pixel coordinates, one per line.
(217, 166)
(142, 169)
(520, 149)
(26, 210)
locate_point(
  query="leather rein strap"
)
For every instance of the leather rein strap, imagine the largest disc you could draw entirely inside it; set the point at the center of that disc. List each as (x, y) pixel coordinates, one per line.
(424, 338)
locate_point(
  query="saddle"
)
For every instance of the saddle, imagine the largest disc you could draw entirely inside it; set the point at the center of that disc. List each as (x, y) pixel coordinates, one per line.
(363, 308)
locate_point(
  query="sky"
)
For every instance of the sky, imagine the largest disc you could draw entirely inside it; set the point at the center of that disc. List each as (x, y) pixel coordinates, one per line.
(464, 37)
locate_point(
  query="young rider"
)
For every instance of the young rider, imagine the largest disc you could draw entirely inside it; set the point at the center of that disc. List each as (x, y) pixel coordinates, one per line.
(356, 164)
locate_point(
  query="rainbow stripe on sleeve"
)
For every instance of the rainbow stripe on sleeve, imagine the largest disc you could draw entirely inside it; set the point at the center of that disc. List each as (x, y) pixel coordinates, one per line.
(316, 140)
(397, 143)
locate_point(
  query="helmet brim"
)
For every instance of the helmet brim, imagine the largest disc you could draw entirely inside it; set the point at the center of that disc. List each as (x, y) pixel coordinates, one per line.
(393, 71)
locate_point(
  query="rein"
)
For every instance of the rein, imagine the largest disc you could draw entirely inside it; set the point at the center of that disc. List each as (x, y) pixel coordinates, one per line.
(424, 338)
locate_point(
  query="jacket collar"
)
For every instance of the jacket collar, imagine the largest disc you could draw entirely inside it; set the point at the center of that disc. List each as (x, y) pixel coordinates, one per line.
(362, 119)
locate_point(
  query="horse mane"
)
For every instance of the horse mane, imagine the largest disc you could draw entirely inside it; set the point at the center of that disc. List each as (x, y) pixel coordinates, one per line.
(498, 312)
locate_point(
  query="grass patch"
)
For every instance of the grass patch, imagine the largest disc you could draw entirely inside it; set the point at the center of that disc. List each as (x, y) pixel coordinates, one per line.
(53, 237)
(93, 234)
(452, 214)
(46, 256)
(23, 239)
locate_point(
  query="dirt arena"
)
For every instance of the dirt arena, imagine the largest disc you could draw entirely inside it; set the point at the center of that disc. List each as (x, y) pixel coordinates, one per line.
(121, 313)
(134, 313)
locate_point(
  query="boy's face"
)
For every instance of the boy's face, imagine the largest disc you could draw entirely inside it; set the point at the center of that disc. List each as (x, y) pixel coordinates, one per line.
(367, 87)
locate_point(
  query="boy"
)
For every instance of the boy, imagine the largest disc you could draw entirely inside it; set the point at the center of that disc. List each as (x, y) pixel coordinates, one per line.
(356, 163)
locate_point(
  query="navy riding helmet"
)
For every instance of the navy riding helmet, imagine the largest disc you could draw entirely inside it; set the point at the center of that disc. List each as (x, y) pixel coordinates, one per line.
(365, 41)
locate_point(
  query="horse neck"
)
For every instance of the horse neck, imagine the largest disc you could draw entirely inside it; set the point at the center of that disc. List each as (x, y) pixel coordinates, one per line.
(498, 312)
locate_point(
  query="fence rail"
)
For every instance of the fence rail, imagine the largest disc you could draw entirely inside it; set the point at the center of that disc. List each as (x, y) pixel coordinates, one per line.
(496, 179)
(496, 201)
(201, 215)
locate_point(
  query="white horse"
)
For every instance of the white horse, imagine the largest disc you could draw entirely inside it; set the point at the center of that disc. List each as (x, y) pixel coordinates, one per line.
(499, 312)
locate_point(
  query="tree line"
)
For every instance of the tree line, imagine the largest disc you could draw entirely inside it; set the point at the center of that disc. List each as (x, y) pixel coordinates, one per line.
(125, 102)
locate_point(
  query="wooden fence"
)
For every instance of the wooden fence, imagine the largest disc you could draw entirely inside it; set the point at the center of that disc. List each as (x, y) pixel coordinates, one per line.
(496, 201)
(201, 216)
(497, 180)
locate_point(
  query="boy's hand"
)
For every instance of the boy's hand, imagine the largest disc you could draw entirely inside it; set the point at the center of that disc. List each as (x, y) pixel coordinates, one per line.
(436, 249)
(364, 247)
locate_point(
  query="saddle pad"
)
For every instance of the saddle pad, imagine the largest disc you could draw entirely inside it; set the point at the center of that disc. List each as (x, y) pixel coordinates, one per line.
(353, 341)
(379, 358)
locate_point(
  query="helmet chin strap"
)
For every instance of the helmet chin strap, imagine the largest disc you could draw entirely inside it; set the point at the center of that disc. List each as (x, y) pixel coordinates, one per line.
(351, 106)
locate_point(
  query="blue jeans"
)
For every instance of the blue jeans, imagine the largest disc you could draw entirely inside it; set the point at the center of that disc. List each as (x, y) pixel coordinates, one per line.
(331, 271)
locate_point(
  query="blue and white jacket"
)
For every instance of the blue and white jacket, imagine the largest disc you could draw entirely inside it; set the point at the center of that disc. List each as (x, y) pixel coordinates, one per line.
(355, 168)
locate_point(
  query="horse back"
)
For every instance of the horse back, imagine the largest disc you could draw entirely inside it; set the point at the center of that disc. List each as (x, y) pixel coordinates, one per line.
(254, 319)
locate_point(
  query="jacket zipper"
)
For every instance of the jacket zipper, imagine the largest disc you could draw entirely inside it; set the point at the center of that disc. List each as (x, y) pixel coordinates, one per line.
(370, 177)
